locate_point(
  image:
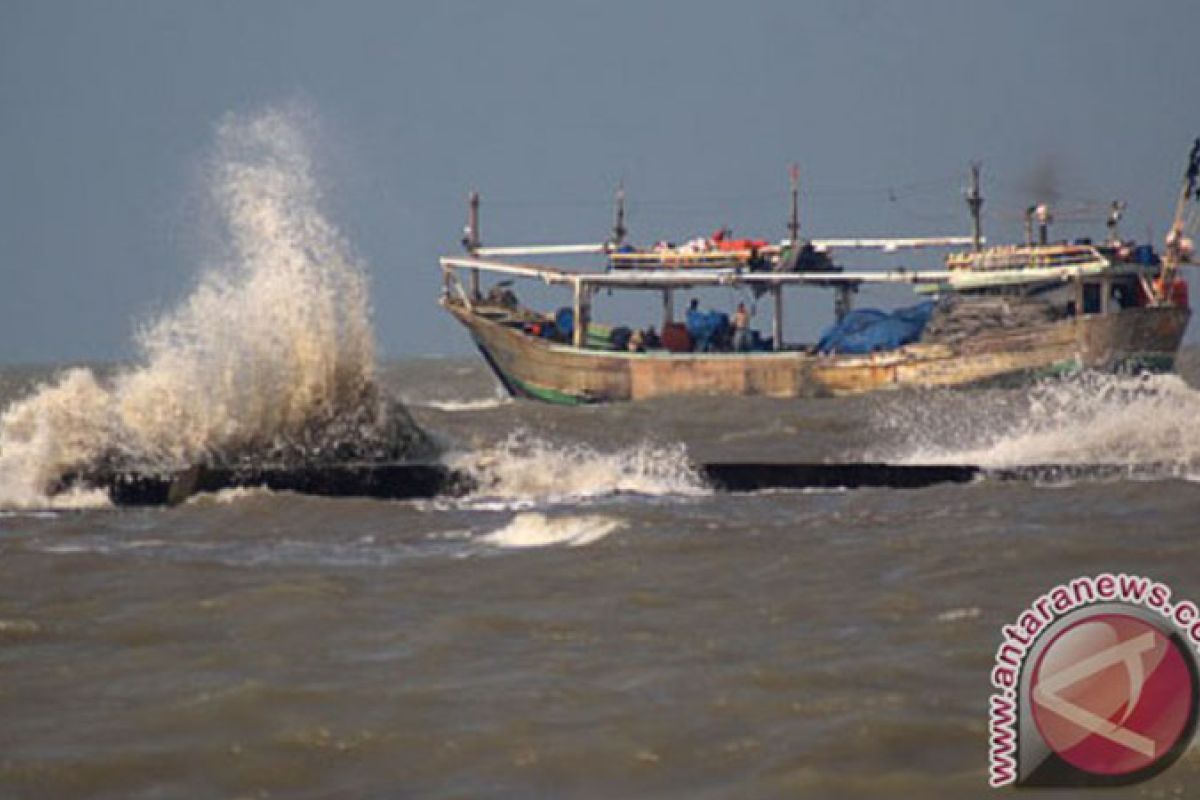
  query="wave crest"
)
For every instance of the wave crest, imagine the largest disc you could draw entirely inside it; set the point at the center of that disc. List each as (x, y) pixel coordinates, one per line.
(1091, 418)
(271, 356)
(527, 468)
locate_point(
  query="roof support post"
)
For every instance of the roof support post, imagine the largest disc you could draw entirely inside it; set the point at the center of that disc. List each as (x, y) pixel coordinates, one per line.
(777, 317)
(668, 298)
(581, 313)
(843, 302)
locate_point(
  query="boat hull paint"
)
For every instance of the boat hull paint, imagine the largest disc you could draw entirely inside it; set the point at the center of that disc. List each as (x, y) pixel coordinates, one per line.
(1137, 339)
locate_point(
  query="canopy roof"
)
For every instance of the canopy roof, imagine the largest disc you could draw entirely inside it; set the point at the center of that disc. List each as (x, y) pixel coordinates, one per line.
(680, 278)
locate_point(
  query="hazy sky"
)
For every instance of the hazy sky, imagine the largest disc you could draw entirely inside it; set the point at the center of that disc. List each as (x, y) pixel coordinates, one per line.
(107, 110)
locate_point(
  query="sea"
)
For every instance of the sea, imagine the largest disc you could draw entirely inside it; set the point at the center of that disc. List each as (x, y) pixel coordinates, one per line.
(593, 621)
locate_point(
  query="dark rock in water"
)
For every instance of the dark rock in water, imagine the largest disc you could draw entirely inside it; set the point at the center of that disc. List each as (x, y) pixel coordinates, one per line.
(408, 481)
(412, 481)
(751, 477)
(375, 449)
(376, 429)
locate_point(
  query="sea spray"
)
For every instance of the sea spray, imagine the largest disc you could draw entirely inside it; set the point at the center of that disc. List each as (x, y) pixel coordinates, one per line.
(270, 358)
(1090, 418)
(526, 468)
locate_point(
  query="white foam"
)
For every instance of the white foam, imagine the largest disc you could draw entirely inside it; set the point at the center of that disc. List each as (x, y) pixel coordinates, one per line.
(224, 497)
(67, 549)
(1091, 418)
(533, 529)
(274, 341)
(958, 614)
(481, 404)
(525, 468)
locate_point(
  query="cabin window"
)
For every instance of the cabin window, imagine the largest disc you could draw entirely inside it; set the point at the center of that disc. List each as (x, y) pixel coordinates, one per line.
(1091, 298)
(1124, 295)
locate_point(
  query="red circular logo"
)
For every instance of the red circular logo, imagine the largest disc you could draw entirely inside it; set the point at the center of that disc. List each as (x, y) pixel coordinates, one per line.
(1112, 694)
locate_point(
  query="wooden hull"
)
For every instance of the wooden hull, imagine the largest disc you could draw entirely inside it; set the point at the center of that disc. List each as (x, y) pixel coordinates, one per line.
(1134, 338)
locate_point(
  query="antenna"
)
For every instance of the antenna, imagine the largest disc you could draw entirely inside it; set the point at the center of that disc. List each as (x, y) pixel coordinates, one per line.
(975, 204)
(794, 218)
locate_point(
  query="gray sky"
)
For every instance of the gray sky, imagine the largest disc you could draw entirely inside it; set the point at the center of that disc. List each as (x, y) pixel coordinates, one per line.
(106, 111)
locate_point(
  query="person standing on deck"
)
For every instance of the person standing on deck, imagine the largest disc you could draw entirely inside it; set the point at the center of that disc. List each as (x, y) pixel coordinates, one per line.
(695, 324)
(741, 329)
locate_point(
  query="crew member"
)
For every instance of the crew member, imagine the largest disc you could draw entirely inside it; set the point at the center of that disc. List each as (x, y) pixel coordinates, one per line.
(741, 329)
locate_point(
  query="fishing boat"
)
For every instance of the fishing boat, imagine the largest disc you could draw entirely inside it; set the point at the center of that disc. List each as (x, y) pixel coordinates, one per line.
(990, 314)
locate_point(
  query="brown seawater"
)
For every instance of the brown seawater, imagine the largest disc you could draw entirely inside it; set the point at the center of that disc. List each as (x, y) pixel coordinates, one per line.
(596, 624)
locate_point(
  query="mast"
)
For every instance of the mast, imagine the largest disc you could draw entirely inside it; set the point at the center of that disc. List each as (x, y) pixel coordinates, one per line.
(1179, 247)
(1115, 212)
(794, 218)
(975, 204)
(470, 240)
(619, 230)
(794, 240)
(1043, 217)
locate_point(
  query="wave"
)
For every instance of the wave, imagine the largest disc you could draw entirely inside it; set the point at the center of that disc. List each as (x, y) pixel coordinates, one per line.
(1092, 418)
(270, 357)
(527, 468)
(532, 529)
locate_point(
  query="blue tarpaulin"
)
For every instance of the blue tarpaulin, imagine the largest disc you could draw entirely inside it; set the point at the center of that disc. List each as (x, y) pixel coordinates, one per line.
(564, 320)
(868, 330)
(704, 326)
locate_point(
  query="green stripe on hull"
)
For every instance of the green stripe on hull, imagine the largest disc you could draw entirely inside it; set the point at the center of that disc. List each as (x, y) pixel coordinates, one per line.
(547, 395)
(520, 388)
